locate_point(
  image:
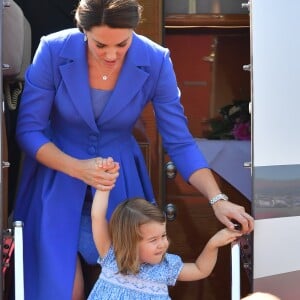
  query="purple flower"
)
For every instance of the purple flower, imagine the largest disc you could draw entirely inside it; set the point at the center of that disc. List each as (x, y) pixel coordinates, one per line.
(242, 131)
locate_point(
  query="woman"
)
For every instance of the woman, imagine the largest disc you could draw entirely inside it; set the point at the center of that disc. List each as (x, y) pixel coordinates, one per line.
(84, 91)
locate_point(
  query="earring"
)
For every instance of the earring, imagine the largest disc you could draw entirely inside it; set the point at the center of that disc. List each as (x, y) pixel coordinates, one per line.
(85, 38)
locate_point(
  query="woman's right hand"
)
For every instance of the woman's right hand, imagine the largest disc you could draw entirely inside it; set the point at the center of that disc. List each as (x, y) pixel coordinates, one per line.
(100, 173)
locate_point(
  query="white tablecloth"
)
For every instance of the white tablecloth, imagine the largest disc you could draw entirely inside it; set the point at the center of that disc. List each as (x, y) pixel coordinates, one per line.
(227, 158)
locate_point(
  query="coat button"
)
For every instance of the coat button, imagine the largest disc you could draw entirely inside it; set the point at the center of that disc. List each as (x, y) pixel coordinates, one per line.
(92, 150)
(93, 137)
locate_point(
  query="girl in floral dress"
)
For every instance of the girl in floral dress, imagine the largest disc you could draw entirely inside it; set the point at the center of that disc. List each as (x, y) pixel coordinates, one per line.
(132, 249)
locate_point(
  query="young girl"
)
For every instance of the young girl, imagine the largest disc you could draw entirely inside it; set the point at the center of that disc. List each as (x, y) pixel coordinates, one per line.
(133, 247)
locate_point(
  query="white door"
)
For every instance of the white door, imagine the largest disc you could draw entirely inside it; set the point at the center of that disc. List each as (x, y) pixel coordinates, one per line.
(275, 51)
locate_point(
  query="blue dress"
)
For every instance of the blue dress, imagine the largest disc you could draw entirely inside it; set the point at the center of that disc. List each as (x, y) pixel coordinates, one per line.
(151, 283)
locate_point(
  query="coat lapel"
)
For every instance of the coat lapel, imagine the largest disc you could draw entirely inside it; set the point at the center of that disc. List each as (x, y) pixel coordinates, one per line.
(131, 80)
(129, 84)
(75, 75)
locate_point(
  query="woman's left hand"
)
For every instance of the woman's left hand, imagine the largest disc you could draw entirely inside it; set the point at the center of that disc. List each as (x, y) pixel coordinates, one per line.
(227, 211)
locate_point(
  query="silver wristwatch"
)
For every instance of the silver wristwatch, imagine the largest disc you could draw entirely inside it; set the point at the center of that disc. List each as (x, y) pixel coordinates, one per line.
(218, 197)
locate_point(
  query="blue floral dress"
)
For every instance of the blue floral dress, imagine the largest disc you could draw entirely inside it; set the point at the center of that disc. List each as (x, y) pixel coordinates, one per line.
(151, 283)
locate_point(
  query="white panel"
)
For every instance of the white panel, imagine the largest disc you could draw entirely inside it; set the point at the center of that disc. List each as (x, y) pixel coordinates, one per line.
(276, 246)
(276, 81)
(18, 257)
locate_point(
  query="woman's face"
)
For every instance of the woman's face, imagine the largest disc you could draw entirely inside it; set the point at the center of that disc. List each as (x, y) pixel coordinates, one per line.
(109, 45)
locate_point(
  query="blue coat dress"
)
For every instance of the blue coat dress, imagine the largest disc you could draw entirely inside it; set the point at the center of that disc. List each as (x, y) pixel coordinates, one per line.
(56, 106)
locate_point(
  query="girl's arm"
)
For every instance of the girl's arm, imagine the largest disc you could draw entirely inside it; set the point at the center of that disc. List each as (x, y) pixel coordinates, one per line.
(99, 208)
(99, 223)
(206, 261)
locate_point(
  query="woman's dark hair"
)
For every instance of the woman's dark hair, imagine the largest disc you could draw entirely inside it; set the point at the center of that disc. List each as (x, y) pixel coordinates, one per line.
(113, 13)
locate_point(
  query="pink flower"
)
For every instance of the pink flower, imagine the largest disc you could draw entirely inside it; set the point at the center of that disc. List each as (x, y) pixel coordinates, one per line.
(242, 131)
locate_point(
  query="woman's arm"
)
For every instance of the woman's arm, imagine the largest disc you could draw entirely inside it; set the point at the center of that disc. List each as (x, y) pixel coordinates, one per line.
(206, 261)
(225, 211)
(183, 150)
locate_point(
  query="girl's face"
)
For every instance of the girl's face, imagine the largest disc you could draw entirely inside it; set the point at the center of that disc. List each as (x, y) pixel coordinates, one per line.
(108, 45)
(154, 243)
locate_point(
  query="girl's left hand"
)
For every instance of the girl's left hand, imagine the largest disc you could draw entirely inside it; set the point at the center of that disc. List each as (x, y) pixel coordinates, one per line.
(224, 237)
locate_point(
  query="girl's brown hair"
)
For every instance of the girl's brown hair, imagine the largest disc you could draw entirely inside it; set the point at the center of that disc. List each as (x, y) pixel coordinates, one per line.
(113, 13)
(125, 233)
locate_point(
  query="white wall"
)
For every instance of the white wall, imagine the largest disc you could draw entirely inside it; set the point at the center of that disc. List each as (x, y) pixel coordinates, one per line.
(276, 82)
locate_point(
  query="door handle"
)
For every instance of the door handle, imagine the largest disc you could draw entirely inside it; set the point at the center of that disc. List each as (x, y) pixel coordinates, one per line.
(170, 211)
(171, 170)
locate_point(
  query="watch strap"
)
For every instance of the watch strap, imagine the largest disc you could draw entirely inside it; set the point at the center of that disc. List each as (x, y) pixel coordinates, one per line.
(218, 197)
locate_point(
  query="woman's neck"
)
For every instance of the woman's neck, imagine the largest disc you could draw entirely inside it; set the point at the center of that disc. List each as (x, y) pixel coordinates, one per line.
(101, 77)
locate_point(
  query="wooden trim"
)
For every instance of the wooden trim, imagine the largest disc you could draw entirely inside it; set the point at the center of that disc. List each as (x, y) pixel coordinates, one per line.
(208, 20)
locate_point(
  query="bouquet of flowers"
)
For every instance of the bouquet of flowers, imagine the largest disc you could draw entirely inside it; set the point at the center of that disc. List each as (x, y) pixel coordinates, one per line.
(234, 122)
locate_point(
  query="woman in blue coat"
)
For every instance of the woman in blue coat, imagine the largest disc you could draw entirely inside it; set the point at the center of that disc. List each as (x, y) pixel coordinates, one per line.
(84, 92)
